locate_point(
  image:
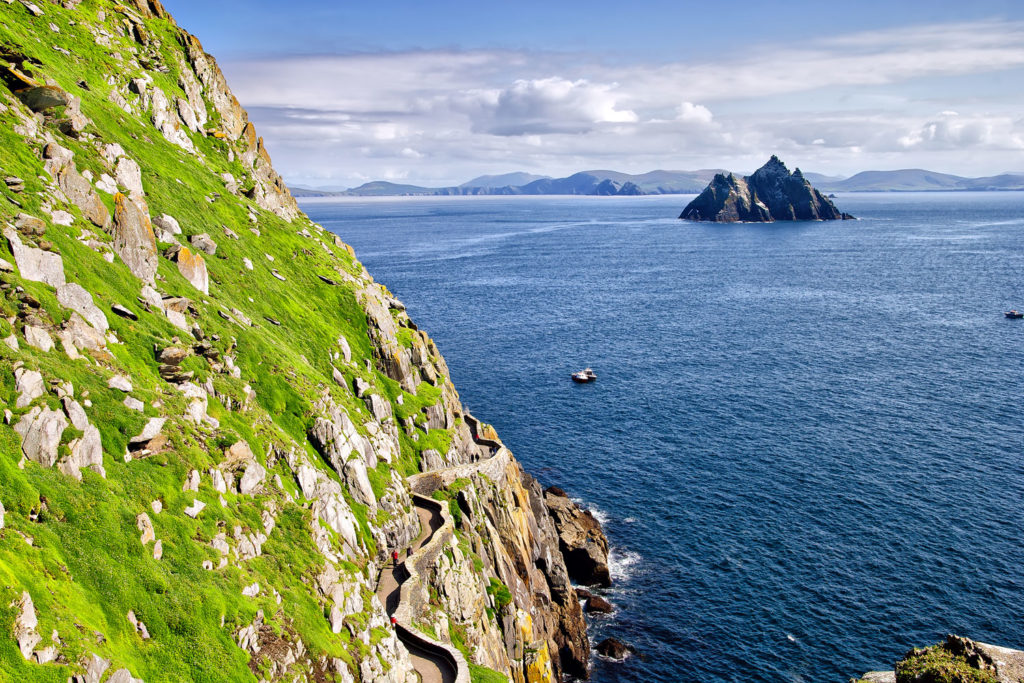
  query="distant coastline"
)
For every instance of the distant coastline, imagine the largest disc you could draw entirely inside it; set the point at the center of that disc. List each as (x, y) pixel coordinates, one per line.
(615, 183)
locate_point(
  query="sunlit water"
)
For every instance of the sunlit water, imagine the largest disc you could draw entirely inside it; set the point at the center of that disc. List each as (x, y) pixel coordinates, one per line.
(805, 440)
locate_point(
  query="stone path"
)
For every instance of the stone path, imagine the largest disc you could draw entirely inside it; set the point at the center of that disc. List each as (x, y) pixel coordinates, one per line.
(433, 664)
(431, 667)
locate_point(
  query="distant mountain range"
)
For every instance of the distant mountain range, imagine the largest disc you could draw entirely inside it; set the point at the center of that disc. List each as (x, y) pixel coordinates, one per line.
(609, 183)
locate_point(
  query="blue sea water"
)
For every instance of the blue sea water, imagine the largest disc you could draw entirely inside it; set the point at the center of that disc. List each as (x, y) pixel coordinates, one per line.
(806, 439)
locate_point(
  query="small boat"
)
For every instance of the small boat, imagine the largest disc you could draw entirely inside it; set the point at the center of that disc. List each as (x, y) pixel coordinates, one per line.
(1015, 314)
(584, 376)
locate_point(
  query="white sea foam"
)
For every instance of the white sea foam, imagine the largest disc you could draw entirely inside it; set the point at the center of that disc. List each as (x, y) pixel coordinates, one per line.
(599, 514)
(622, 564)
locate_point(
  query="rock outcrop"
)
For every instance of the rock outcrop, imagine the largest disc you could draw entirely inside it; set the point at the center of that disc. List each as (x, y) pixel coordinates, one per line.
(580, 538)
(770, 194)
(956, 659)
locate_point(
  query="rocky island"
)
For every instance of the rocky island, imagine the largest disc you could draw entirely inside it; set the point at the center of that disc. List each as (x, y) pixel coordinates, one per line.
(770, 194)
(218, 430)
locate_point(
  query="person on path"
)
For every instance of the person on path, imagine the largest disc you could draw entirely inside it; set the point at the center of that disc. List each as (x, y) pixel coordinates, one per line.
(394, 557)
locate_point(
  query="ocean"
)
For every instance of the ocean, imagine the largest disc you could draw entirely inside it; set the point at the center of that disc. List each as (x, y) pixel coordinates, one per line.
(806, 439)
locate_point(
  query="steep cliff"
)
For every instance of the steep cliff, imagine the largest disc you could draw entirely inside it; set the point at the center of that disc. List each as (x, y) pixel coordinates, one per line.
(770, 194)
(217, 427)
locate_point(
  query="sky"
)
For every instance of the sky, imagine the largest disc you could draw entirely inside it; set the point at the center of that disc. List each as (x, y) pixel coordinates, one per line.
(435, 93)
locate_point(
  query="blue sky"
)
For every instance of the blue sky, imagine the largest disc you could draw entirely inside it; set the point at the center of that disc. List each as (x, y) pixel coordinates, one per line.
(436, 93)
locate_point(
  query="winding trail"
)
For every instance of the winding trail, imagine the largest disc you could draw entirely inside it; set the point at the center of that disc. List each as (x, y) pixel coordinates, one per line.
(432, 662)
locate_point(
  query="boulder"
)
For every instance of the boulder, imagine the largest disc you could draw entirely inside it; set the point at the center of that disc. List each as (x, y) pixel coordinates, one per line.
(194, 509)
(120, 310)
(150, 439)
(173, 355)
(119, 382)
(35, 264)
(770, 194)
(203, 243)
(191, 266)
(44, 97)
(29, 225)
(134, 241)
(146, 527)
(253, 478)
(29, 385)
(129, 176)
(87, 450)
(167, 223)
(39, 338)
(25, 625)
(40, 431)
(613, 648)
(595, 603)
(72, 295)
(59, 163)
(580, 539)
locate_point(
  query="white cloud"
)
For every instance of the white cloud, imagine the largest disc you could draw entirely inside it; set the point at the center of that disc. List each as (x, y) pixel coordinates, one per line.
(836, 105)
(694, 113)
(546, 105)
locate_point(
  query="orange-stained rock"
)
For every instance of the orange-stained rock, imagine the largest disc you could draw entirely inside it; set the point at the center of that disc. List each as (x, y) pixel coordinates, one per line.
(134, 241)
(193, 268)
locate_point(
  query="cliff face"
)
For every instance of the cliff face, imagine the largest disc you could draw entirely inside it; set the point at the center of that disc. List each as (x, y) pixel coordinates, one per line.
(770, 194)
(217, 427)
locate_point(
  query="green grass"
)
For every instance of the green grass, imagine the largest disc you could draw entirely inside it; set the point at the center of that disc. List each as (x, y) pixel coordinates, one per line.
(936, 664)
(86, 567)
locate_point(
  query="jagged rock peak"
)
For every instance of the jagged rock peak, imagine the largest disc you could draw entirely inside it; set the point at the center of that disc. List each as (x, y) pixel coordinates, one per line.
(770, 194)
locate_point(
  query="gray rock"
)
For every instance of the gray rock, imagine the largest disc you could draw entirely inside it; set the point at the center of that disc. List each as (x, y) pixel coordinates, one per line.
(40, 431)
(38, 337)
(879, 677)
(346, 350)
(86, 451)
(252, 479)
(194, 509)
(129, 175)
(134, 241)
(361, 386)
(29, 385)
(771, 193)
(150, 433)
(278, 275)
(167, 224)
(134, 404)
(359, 483)
(120, 310)
(380, 408)
(145, 525)
(119, 382)
(25, 626)
(431, 460)
(204, 243)
(580, 539)
(123, 676)
(76, 334)
(29, 225)
(59, 163)
(8, 267)
(35, 264)
(72, 295)
(95, 667)
(173, 355)
(43, 97)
